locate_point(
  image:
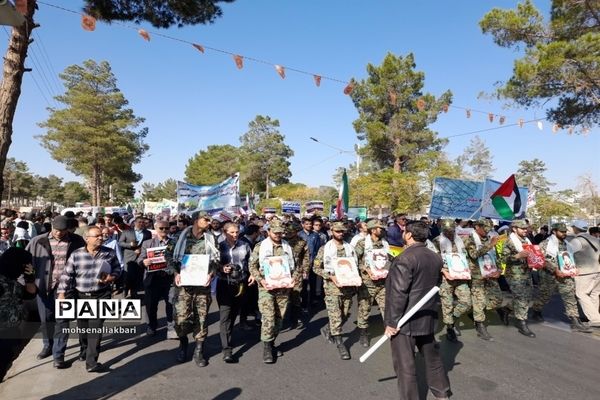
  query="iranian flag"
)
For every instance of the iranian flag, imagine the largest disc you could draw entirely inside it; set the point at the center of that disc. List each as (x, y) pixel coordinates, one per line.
(342, 203)
(507, 200)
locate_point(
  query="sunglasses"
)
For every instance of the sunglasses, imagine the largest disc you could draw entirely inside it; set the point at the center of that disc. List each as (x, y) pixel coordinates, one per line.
(163, 228)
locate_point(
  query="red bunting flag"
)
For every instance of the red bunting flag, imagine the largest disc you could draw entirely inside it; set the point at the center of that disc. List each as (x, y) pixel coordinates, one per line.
(280, 71)
(21, 6)
(420, 104)
(317, 80)
(143, 33)
(468, 111)
(502, 120)
(555, 128)
(348, 88)
(570, 130)
(491, 117)
(521, 122)
(199, 47)
(239, 61)
(88, 23)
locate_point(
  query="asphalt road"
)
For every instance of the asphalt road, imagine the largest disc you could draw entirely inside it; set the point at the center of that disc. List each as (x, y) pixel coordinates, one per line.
(557, 365)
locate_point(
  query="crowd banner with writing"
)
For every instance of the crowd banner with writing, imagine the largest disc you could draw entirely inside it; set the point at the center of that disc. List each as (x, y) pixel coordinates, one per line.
(165, 207)
(290, 207)
(455, 198)
(488, 210)
(353, 213)
(314, 207)
(191, 198)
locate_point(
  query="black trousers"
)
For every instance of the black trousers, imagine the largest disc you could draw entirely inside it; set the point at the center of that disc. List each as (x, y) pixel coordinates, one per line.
(250, 303)
(158, 289)
(229, 308)
(45, 306)
(90, 342)
(404, 364)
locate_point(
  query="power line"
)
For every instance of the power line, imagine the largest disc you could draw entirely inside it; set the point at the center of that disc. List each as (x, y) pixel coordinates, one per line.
(37, 67)
(494, 128)
(48, 61)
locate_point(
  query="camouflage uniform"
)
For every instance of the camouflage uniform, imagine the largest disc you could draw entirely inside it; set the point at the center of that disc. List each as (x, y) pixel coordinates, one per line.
(451, 288)
(485, 293)
(338, 301)
(370, 290)
(191, 303)
(271, 303)
(549, 283)
(518, 277)
(301, 260)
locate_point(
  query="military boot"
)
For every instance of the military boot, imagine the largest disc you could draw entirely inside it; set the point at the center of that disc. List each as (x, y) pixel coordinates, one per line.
(482, 331)
(524, 329)
(342, 349)
(364, 337)
(503, 313)
(326, 333)
(537, 316)
(451, 334)
(456, 329)
(199, 358)
(578, 326)
(182, 351)
(268, 353)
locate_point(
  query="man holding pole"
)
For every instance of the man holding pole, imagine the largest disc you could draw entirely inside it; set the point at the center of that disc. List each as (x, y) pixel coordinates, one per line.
(412, 274)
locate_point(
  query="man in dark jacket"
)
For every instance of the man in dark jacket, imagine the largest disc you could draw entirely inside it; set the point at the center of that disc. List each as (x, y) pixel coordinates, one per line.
(131, 242)
(411, 276)
(50, 253)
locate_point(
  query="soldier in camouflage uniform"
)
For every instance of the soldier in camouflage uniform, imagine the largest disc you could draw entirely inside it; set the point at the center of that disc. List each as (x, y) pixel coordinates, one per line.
(371, 289)
(518, 274)
(485, 292)
(451, 287)
(192, 303)
(272, 302)
(338, 299)
(302, 263)
(551, 279)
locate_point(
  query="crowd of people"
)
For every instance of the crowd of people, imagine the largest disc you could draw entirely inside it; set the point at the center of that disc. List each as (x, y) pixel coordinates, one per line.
(265, 270)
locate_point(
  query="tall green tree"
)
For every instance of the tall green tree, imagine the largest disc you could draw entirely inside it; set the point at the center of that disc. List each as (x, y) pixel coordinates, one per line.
(395, 112)
(18, 181)
(265, 155)
(477, 160)
(75, 192)
(50, 189)
(163, 190)
(532, 174)
(561, 60)
(213, 165)
(95, 135)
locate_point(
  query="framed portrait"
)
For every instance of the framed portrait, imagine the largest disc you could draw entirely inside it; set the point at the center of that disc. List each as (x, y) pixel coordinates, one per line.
(487, 264)
(566, 263)
(194, 269)
(277, 272)
(377, 262)
(346, 271)
(457, 265)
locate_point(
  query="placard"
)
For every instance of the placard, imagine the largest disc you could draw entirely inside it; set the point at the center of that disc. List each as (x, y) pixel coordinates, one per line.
(156, 255)
(377, 261)
(277, 273)
(487, 265)
(535, 259)
(194, 270)
(457, 265)
(566, 263)
(346, 272)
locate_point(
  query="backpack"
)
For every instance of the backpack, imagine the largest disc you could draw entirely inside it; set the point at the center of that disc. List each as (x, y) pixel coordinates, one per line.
(12, 311)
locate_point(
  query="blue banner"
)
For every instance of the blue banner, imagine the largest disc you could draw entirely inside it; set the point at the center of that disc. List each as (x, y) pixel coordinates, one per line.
(191, 198)
(456, 198)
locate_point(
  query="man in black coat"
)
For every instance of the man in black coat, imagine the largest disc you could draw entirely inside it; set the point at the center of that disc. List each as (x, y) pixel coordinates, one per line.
(131, 242)
(412, 274)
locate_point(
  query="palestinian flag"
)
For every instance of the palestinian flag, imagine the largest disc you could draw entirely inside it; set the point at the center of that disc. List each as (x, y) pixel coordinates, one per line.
(507, 200)
(343, 197)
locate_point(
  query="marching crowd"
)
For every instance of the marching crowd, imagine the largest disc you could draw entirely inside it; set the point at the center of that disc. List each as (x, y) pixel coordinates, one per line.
(85, 256)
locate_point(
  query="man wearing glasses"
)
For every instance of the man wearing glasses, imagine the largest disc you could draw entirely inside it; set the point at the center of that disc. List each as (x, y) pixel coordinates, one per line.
(158, 284)
(395, 232)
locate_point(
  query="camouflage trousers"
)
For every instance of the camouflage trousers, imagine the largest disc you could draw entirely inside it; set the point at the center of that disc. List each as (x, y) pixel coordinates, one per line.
(450, 289)
(366, 294)
(272, 305)
(520, 286)
(486, 295)
(191, 310)
(549, 284)
(296, 295)
(338, 302)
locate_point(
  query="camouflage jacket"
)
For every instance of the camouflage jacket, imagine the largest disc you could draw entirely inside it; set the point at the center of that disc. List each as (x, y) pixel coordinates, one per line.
(515, 268)
(551, 262)
(362, 265)
(301, 256)
(193, 245)
(319, 269)
(255, 269)
(473, 254)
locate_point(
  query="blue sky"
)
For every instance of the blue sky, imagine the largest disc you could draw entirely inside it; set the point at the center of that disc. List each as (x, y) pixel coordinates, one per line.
(191, 100)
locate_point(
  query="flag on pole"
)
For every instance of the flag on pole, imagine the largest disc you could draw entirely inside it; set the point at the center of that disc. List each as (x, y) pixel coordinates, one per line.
(343, 197)
(507, 200)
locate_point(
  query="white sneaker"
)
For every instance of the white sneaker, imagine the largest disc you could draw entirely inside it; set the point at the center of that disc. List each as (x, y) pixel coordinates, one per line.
(171, 334)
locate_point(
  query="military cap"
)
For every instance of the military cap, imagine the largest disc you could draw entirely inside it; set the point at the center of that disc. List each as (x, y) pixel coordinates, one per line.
(448, 224)
(276, 226)
(375, 223)
(519, 223)
(293, 226)
(485, 223)
(559, 226)
(338, 226)
(201, 214)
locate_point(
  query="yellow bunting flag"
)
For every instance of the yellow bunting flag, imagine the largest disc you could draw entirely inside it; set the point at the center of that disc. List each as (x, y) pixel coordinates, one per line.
(317, 80)
(280, 71)
(143, 33)
(348, 88)
(199, 47)
(239, 61)
(88, 23)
